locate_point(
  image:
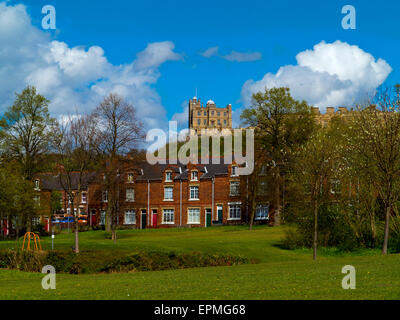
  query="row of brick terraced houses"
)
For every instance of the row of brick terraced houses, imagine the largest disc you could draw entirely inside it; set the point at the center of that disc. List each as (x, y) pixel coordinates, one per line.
(155, 196)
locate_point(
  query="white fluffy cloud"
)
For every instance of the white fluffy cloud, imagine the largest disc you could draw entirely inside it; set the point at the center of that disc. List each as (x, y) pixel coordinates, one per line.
(332, 74)
(76, 79)
(234, 56)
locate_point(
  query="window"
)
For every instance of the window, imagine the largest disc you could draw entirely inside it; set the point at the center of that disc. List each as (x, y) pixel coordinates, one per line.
(234, 212)
(212, 113)
(84, 197)
(168, 176)
(205, 121)
(205, 113)
(335, 187)
(130, 217)
(234, 171)
(130, 195)
(198, 121)
(195, 175)
(168, 193)
(130, 178)
(198, 113)
(218, 114)
(36, 199)
(235, 188)
(104, 196)
(261, 212)
(194, 193)
(168, 216)
(224, 122)
(37, 184)
(193, 215)
(102, 217)
(224, 114)
(219, 122)
(35, 221)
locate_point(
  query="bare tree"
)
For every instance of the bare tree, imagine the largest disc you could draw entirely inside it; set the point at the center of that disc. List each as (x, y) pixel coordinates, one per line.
(119, 131)
(75, 143)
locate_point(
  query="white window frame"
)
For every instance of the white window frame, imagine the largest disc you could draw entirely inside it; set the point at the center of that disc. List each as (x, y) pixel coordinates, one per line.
(37, 184)
(190, 216)
(194, 175)
(236, 189)
(237, 208)
(130, 217)
(168, 173)
(104, 196)
(130, 191)
(234, 171)
(84, 197)
(190, 192)
(172, 193)
(260, 212)
(168, 216)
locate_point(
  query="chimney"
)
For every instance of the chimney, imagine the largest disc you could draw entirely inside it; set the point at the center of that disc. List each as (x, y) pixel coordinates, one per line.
(330, 110)
(315, 110)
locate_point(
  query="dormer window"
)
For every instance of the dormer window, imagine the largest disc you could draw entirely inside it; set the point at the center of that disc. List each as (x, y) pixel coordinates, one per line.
(130, 178)
(194, 176)
(168, 176)
(37, 184)
(234, 171)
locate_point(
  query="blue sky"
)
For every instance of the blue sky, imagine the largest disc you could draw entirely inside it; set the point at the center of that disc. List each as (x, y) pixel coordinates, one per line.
(275, 30)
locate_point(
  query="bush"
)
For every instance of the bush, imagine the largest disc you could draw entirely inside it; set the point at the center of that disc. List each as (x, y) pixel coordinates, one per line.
(92, 262)
(333, 231)
(40, 229)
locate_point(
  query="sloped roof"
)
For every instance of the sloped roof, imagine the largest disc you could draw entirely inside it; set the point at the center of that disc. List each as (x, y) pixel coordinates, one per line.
(53, 182)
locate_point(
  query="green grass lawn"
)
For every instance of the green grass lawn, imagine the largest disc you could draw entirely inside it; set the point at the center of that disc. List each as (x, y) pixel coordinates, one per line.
(281, 274)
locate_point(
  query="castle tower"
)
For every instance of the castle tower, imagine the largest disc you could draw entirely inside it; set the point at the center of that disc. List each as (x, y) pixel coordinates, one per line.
(209, 116)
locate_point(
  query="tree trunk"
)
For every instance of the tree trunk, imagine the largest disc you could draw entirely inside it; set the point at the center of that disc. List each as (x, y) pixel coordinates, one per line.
(108, 219)
(386, 236)
(76, 235)
(315, 230)
(277, 204)
(114, 235)
(76, 246)
(373, 228)
(252, 207)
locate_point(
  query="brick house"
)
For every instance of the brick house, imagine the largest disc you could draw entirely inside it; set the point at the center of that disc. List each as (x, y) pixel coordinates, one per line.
(169, 195)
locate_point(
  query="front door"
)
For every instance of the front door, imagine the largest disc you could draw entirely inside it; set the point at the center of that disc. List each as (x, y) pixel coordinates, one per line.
(154, 218)
(208, 217)
(143, 220)
(219, 213)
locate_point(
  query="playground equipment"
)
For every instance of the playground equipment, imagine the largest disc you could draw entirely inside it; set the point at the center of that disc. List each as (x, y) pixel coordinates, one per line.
(36, 240)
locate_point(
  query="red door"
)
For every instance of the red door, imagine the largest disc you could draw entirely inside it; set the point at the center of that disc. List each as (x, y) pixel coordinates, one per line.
(154, 222)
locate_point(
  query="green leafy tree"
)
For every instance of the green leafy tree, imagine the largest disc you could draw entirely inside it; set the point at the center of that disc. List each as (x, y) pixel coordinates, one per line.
(376, 141)
(282, 124)
(317, 164)
(25, 130)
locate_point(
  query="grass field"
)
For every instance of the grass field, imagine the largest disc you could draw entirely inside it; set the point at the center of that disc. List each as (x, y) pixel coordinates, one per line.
(281, 274)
